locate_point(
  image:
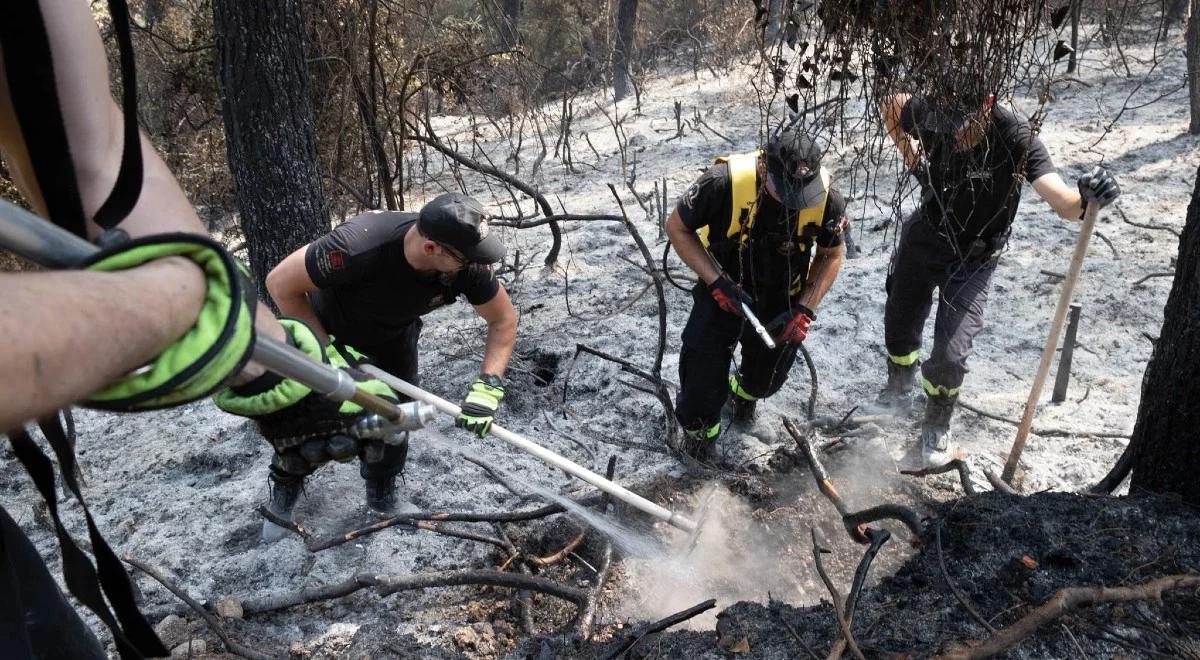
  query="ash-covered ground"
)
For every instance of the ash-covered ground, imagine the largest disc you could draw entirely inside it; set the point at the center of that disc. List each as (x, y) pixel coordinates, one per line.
(178, 489)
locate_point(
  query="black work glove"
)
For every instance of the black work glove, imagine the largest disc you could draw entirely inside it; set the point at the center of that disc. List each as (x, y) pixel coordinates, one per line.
(729, 295)
(1098, 186)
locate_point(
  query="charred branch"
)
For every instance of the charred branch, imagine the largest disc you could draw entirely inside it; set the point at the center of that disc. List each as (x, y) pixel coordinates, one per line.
(233, 647)
(280, 521)
(390, 584)
(964, 473)
(854, 522)
(1063, 602)
(836, 597)
(464, 516)
(958, 595)
(637, 634)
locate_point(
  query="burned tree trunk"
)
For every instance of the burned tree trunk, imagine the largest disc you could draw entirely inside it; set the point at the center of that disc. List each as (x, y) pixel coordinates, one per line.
(1193, 59)
(269, 127)
(623, 47)
(510, 37)
(1166, 450)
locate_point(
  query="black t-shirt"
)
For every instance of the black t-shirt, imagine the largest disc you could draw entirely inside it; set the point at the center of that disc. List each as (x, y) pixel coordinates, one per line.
(973, 194)
(369, 292)
(774, 252)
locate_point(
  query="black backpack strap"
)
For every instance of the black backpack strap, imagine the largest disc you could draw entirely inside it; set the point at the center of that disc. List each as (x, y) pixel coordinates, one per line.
(29, 67)
(128, 187)
(134, 636)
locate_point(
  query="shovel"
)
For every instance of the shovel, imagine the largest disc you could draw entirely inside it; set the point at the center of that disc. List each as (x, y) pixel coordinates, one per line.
(616, 490)
(49, 245)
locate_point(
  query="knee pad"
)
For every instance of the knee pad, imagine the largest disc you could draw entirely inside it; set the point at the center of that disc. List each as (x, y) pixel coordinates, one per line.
(342, 448)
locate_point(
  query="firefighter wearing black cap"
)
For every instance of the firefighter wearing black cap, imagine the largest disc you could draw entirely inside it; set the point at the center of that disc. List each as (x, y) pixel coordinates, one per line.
(366, 284)
(748, 227)
(970, 158)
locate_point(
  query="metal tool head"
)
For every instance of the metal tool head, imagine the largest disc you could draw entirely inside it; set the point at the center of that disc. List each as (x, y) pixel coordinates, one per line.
(700, 517)
(411, 416)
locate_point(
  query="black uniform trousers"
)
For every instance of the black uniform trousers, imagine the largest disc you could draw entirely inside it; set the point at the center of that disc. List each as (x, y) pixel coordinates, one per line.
(925, 261)
(709, 338)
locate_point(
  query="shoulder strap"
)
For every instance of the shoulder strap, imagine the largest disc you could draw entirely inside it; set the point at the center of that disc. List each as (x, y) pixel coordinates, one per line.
(743, 179)
(89, 584)
(815, 215)
(29, 68)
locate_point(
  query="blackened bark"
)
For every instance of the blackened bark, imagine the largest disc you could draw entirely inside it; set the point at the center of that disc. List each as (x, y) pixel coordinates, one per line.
(510, 36)
(1166, 443)
(269, 128)
(1193, 59)
(623, 47)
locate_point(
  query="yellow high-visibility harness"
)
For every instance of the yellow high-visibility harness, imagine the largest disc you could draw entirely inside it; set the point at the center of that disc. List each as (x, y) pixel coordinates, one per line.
(743, 176)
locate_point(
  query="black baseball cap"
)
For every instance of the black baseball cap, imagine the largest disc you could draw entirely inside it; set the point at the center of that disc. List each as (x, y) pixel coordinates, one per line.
(459, 221)
(794, 165)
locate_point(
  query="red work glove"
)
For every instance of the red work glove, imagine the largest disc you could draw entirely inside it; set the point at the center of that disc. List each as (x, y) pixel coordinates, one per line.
(729, 295)
(795, 324)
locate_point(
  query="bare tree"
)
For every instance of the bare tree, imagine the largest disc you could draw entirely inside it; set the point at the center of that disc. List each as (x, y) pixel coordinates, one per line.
(1166, 456)
(1193, 65)
(269, 127)
(623, 47)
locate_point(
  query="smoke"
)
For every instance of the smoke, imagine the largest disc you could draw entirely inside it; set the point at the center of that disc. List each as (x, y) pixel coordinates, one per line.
(746, 553)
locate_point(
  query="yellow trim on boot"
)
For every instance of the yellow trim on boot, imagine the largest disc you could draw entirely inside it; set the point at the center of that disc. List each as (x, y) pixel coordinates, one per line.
(735, 387)
(705, 434)
(906, 360)
(939, 390)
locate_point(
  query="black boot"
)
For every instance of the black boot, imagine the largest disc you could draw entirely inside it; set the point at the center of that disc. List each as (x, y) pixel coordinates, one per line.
(381, 494)
(743, 411)
(285, 492)
(700, 443)
(743, 403)
(902, 379)
(937, 447)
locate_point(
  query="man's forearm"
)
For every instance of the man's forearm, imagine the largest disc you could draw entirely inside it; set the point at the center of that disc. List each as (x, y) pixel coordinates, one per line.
(821, 275)
(690, 250)
(297, 306)
(501, 337)
(69, 333)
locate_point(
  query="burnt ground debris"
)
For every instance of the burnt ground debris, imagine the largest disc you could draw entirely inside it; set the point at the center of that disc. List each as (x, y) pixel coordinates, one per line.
(1006, 554)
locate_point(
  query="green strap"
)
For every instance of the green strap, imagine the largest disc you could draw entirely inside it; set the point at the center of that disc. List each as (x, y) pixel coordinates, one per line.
(906, 360)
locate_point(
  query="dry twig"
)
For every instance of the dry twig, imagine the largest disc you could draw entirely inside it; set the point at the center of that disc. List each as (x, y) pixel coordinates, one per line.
(389, 584)
(854, 522)
(962, 598)
(232, 646)
(1062, 602)
(964, 473)
(843, 623)
(640, 632)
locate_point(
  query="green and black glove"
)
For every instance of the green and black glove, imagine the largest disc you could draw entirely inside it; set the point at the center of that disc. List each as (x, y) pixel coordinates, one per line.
(214, 350)
(291, 416)
(480, 405)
